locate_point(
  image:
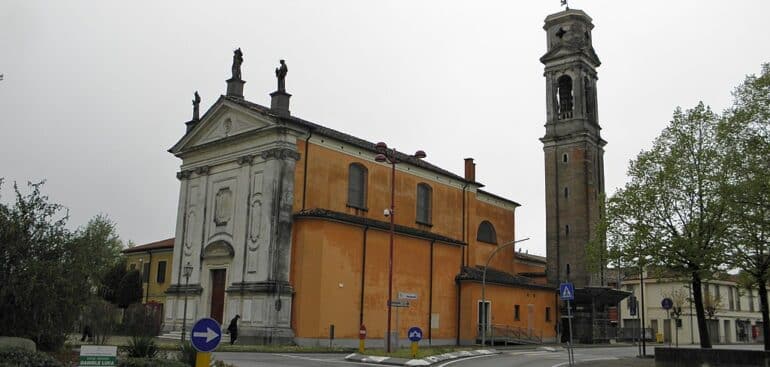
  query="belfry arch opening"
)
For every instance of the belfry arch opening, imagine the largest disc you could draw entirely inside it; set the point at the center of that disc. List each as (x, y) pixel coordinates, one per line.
(565, 97)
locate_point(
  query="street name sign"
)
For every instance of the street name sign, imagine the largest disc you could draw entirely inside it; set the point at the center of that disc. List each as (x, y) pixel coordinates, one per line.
(206, 335)
(399, 303)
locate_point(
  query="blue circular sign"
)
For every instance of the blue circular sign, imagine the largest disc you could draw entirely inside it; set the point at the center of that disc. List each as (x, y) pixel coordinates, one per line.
(415, 334)
(667, 303)
(206, 335)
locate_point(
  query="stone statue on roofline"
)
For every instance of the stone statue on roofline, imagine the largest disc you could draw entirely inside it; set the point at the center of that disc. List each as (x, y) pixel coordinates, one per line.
(280, 73)
(196, 106)
(237, 61)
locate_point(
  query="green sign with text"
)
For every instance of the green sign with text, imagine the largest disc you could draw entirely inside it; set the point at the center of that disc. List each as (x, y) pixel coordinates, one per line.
(99, 355)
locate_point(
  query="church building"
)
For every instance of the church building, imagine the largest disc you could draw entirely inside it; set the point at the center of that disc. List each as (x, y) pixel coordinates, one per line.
(308, 232)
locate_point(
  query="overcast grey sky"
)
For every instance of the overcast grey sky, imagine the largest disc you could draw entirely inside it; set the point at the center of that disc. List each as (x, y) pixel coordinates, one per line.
(95, 92)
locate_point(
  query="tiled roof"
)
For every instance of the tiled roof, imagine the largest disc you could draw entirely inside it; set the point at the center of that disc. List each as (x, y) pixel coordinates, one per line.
(354, 219)
(495, 276)
(164, 244)
(350, 139)
(528, 257)
(347, 138)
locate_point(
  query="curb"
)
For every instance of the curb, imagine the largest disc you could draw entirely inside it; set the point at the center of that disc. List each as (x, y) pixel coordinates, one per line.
(427, 361)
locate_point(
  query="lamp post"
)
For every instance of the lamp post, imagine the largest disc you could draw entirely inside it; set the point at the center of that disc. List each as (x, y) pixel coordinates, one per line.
(391, 156)
(484, 289)
(187, 272)
(692, 334)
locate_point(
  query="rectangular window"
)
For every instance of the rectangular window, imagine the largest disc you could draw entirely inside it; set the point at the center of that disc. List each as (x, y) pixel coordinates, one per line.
(161, 277)
(424, 200)
(547, 314)
(730, 300)
(146, 273)
(357, 186)
(751, 300)
(516, 315)
(717, 295)
(737, 299)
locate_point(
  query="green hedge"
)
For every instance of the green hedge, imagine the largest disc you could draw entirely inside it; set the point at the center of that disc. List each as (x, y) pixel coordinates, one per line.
(26, 358)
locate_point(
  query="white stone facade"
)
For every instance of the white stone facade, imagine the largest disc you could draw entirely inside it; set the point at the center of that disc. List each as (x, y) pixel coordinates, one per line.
(234, 221)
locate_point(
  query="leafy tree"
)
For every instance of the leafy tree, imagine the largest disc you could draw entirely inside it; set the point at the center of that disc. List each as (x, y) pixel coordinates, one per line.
(130, 290)
(745, 133)
(47, 273)
(110, 283)
(671, 214)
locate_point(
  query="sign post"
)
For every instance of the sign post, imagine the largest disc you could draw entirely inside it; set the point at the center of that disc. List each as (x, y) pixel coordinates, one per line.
(361, 338)
(567, 293)
(667, 304)
(206, 335)
(99, 355)
(415, 335)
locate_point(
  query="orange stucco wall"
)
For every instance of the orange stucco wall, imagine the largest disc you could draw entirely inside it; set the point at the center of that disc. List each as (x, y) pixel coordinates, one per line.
(328, 262)
(503, 302)
(328, 256)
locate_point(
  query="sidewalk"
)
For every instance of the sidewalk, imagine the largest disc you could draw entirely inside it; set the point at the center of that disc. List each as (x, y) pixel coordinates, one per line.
(622, 362)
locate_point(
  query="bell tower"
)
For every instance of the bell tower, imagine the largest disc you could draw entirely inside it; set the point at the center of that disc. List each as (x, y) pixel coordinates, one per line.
(573, 147)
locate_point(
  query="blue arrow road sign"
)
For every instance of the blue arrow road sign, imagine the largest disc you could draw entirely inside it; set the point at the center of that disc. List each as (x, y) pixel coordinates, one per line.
(566, 291)
(206, 335)
(415, 334)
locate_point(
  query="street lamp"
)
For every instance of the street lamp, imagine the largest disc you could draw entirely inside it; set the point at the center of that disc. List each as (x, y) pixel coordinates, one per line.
(641, 261)
(391, 156)
(187, 272)
(484, 288)
(692, 334)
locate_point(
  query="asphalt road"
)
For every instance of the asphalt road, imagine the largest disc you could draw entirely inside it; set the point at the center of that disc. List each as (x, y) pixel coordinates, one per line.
(541, 357)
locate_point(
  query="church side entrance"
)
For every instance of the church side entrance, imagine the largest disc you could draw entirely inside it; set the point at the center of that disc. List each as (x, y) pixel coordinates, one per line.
(218, 277)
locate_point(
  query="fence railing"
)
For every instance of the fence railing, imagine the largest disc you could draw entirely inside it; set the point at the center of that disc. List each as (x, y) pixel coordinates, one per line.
(506, 334)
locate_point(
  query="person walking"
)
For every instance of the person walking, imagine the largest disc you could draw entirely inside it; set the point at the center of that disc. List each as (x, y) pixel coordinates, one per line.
(232, 329)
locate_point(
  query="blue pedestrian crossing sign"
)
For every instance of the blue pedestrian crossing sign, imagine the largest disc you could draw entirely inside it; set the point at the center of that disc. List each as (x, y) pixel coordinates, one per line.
(206, 334)
(415, 334)
(566, 291)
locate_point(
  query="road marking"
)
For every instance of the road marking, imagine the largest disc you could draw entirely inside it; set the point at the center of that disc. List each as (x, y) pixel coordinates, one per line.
(464, 359)
(586, 360)
(325, 360)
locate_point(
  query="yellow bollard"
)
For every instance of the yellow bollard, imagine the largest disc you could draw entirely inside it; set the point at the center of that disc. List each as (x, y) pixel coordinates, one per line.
(361, 345)
(202, 359)
(415, 347)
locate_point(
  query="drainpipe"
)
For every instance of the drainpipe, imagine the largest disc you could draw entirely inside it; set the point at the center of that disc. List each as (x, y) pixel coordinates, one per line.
(304, 172)
(363, 277)
(149, 270)
(430, 296)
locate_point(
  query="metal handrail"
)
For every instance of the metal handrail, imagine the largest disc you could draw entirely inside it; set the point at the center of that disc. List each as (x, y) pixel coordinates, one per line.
(510, 334)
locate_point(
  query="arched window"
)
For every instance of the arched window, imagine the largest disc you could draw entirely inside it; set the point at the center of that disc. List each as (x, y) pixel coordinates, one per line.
(486, 233)
(565, 97)
(424, 202)
(357, 186)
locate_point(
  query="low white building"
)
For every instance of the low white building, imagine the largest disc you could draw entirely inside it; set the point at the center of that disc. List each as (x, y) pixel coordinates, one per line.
(735, 316)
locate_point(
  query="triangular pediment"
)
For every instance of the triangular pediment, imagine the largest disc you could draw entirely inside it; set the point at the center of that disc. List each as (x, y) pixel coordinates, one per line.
(223, 120)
